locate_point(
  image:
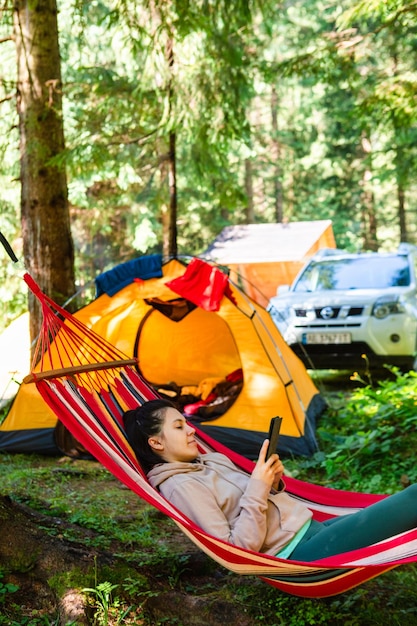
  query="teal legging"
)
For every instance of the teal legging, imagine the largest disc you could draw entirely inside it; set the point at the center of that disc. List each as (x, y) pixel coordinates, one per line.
(390, 516)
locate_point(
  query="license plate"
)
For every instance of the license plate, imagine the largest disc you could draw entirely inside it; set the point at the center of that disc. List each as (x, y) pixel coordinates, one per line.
(326, 338)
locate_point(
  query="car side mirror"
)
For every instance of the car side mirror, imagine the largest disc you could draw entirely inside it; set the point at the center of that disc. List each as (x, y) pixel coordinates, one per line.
(281, 289)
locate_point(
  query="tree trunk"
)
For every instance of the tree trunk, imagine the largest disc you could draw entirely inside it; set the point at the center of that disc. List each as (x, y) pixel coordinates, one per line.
(401, 183)
(401, 171)
(172, 156)
(173, 201)
(276, 155)
(369, 220)
(47, 242)
(250, 211)
(401, 213)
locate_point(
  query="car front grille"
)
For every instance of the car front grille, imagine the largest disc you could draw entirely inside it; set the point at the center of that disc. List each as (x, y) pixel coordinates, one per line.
(330, 313)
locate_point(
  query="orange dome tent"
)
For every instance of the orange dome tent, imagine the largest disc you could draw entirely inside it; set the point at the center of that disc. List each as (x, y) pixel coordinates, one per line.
(191, 329)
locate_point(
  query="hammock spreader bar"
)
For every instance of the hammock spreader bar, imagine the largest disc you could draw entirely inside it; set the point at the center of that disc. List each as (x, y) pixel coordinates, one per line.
(77, 369)
(90, 406)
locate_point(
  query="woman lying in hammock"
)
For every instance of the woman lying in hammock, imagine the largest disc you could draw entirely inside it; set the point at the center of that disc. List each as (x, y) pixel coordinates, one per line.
(253, 512)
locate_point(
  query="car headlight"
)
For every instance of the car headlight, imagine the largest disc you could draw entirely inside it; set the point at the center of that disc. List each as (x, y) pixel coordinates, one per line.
(387, 305)
(281, 315)
(308, 314)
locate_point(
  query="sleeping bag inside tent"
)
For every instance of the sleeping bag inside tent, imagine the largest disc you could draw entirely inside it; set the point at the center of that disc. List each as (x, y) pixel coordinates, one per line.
(199, 340)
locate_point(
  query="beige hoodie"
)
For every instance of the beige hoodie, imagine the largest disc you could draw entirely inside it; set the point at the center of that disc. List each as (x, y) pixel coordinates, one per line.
(229, 504)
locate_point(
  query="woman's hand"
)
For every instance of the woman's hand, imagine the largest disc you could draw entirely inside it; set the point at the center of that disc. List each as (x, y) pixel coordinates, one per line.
(270, 471)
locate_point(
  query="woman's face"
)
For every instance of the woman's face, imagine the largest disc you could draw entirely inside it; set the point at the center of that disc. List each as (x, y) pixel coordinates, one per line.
(176, 441)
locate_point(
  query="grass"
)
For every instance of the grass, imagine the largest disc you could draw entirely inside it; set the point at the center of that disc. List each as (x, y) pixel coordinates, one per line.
(367, 440)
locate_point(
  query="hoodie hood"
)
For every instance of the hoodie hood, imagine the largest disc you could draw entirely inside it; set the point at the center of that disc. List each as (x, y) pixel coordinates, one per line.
(161, 472)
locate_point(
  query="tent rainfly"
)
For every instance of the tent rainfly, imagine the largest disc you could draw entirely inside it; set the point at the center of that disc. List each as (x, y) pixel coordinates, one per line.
(199, 339)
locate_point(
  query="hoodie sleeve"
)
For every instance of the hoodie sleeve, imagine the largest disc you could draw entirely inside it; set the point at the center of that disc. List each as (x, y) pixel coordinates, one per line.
(247, 530)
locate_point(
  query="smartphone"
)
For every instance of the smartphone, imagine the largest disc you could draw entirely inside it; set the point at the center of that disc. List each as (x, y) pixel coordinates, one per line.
(273, 435)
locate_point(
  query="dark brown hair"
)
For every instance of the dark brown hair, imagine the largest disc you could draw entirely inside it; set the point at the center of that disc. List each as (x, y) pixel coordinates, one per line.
(143, 422)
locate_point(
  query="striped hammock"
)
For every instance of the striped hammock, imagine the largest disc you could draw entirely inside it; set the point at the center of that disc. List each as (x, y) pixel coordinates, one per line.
(90, 397)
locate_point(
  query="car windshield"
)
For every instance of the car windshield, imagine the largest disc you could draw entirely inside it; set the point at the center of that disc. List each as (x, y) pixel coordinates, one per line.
(373, 272)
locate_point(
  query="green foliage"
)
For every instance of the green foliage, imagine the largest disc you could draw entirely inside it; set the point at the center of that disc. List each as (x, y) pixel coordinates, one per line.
(368, 439)
(337, 74)
(104, 602)
(107, 608)
(364, 606)
(6, 588)
(277, 609)
(387, 11)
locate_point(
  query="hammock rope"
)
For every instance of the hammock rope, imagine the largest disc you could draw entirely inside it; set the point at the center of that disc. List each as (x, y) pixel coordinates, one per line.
(89, 398)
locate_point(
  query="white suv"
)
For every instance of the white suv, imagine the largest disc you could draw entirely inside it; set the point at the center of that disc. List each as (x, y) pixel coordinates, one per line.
(342, 306)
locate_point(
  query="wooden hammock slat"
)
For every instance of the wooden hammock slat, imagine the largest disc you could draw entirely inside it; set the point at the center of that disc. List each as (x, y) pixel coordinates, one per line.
(76, 369)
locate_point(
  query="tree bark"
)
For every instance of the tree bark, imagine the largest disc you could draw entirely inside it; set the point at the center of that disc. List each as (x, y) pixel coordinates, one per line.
(47, 242)
(369, 219)
(173, 199)
(401, 212)
(276, 155)
(401, 171)
(172, 160)
(250, 211)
